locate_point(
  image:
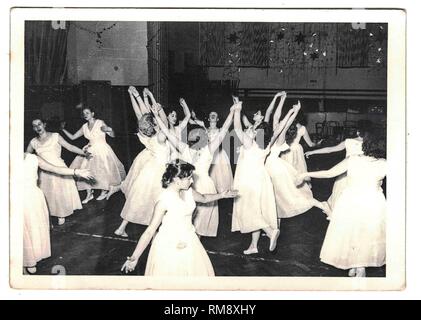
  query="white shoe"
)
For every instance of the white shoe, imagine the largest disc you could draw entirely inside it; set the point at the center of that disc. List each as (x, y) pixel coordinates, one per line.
(251, 251)
(121, 233)
(360, 273)
(352, 272)
(273, 239)
(88, 198)
(31, 270)
(113, 189)
(102, 196)
(61, 221)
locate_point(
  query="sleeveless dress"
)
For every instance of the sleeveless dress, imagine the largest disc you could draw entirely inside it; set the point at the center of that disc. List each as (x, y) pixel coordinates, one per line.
(36, 223)
(295, 155)
(176, 229)
(206, 215)
(290, 199)
(104, 164)
(353, 147)
(356, 236)
(145, 186)
(220, 170)
(60, 191)
(255, 206)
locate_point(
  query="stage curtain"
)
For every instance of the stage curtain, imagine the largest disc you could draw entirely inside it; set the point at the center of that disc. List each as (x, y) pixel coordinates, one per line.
(45, 53)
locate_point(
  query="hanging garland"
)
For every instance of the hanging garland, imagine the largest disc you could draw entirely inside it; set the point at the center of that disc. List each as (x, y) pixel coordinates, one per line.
(98, 34)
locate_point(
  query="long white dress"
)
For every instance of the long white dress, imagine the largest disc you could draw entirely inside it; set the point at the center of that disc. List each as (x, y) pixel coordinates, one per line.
(295, 154)
(290, 199)
(60, 191)
(146, 186)
(356, 236)
(104, 164)
(36, 223)
(255, 206)
(206, 215)
(353, 147)
(176, 250)
(220, 170)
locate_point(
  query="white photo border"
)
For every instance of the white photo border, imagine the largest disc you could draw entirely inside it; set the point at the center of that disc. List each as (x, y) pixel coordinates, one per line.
(396, 150)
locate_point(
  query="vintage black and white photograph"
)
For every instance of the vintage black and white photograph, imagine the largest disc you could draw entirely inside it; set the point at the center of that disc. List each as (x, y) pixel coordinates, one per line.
(209, 151)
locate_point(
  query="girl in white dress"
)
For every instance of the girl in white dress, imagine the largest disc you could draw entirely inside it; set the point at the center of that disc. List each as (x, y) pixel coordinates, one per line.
(220, 170)
(175, 129)
(255, 208)
(36, 223)
(258, 118)
(356, 236)
(206, 218)
(295, 154)
(104, 164)
(291, 200)
(61, 192)
(146, 188)
(176, 250)
(353, 147)
(145, 132)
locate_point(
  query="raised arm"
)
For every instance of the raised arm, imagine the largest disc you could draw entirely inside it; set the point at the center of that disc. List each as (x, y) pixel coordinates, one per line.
(270, 108)
(147, 94)
(215, 143)
(237, 125)
(282, 128)
(246, 121)
(72, 137)
(177, 143)
(69, 146)
(337, 148)
(145, 239)
(187, 114)
(138, 105)
(206, 198)
(150, 95)
(194, 120)
(307, 138)
(278, 111)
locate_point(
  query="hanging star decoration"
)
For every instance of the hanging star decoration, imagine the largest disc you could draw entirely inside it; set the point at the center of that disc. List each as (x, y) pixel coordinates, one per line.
(233, 37)
(314, 56)
(299, 38)
(280, 35)
(98, 34)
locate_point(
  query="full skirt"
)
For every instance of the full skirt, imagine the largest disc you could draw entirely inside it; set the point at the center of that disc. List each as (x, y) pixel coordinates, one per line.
(143, 194)
(61, 193)
(356, 236)
(165, 259)
(104, 166)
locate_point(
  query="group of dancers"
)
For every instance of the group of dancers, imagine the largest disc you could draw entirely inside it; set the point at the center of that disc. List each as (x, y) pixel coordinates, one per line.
(173, 186)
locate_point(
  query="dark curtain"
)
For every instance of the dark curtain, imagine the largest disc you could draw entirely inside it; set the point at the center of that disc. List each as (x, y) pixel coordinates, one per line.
(45, 53)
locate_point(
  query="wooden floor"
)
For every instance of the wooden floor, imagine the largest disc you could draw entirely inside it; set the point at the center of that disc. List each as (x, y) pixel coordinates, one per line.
(86, 244)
